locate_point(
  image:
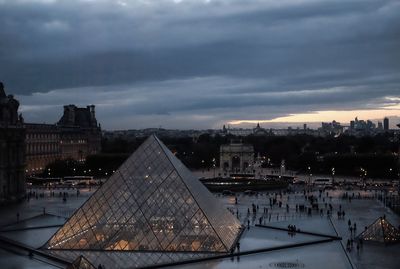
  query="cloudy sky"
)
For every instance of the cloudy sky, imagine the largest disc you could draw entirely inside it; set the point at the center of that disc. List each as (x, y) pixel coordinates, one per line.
(203, 63)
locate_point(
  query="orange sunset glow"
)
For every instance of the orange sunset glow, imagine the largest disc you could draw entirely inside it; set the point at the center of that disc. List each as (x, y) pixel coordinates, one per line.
(330, 115)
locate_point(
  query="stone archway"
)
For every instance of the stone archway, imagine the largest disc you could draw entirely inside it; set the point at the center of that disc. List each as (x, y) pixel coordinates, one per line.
(226, 166)
(235, 163)
(245, 166)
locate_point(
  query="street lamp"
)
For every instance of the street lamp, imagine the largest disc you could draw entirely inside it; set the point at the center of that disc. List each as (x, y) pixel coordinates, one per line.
(310, 175)
(365, 176)
(213, 161)
(333, 175)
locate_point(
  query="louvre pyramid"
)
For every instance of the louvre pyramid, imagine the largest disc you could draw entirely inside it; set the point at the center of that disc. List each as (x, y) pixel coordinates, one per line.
(151, 203)
(381, 231)
(81, 263)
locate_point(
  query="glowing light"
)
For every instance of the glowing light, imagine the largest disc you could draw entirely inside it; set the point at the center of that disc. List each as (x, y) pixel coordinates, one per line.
(329, 115)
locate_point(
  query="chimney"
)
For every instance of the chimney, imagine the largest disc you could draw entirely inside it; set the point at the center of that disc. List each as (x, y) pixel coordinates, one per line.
(69, 112)
(92, 115)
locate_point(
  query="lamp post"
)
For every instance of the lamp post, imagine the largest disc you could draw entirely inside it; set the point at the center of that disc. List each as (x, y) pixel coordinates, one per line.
(213, 161)
(363, 175)
(333, 175)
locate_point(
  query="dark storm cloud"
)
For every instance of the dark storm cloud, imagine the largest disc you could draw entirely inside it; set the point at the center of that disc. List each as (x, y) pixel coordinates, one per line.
(212, 60)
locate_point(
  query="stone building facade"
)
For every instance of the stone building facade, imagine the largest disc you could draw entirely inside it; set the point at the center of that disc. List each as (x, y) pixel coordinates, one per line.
(42, 146)
(236, 157)
(27, 148)
(12, 149)
(80, 132)
(75, 136)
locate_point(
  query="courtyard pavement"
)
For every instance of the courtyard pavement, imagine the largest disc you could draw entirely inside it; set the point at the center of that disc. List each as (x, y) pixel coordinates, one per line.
(33, 221)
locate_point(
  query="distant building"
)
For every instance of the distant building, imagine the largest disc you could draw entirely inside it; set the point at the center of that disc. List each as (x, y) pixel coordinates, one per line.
(370, 125)
(352, 125)
(12, 149)
(386, 124)
(362, 128)
(76, 135)
(79, 126)
(236, 157)
(240, 131)
(331, 128)
(259, 131)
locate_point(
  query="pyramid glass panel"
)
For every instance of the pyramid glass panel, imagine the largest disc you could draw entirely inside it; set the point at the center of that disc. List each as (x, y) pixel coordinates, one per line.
(81, 263)
(151, 203)
(128, 259)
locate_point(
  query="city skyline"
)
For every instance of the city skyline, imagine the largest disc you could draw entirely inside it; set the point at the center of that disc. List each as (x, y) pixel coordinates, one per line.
(298, 120)
(201, 64)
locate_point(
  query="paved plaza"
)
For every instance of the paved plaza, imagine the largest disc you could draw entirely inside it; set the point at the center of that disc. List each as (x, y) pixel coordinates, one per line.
(265, 242)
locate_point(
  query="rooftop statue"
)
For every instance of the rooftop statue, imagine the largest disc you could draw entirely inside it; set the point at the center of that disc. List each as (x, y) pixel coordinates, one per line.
(2, 93)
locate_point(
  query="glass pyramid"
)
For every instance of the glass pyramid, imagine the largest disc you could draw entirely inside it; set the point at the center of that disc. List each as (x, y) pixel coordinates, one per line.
(381, 231)
(152, 203)
(81, 263)
(129, 259)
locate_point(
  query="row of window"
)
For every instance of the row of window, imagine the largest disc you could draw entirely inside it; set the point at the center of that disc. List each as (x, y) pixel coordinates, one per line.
(80, 141)
(44, 147)
(48, 137)
(42, 136)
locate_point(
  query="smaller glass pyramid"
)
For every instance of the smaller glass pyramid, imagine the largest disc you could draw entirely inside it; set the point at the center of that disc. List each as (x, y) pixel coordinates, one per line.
(81, 263)
(152, 203)
(381, 231)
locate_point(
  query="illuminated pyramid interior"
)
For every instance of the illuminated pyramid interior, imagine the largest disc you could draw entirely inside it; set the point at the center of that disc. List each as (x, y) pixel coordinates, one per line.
(153, 204)
(381, 231)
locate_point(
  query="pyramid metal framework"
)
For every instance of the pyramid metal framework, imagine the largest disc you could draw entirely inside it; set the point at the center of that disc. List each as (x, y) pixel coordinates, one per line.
(381, 231)
(130, 259)
(81, 263)
(152, 203)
